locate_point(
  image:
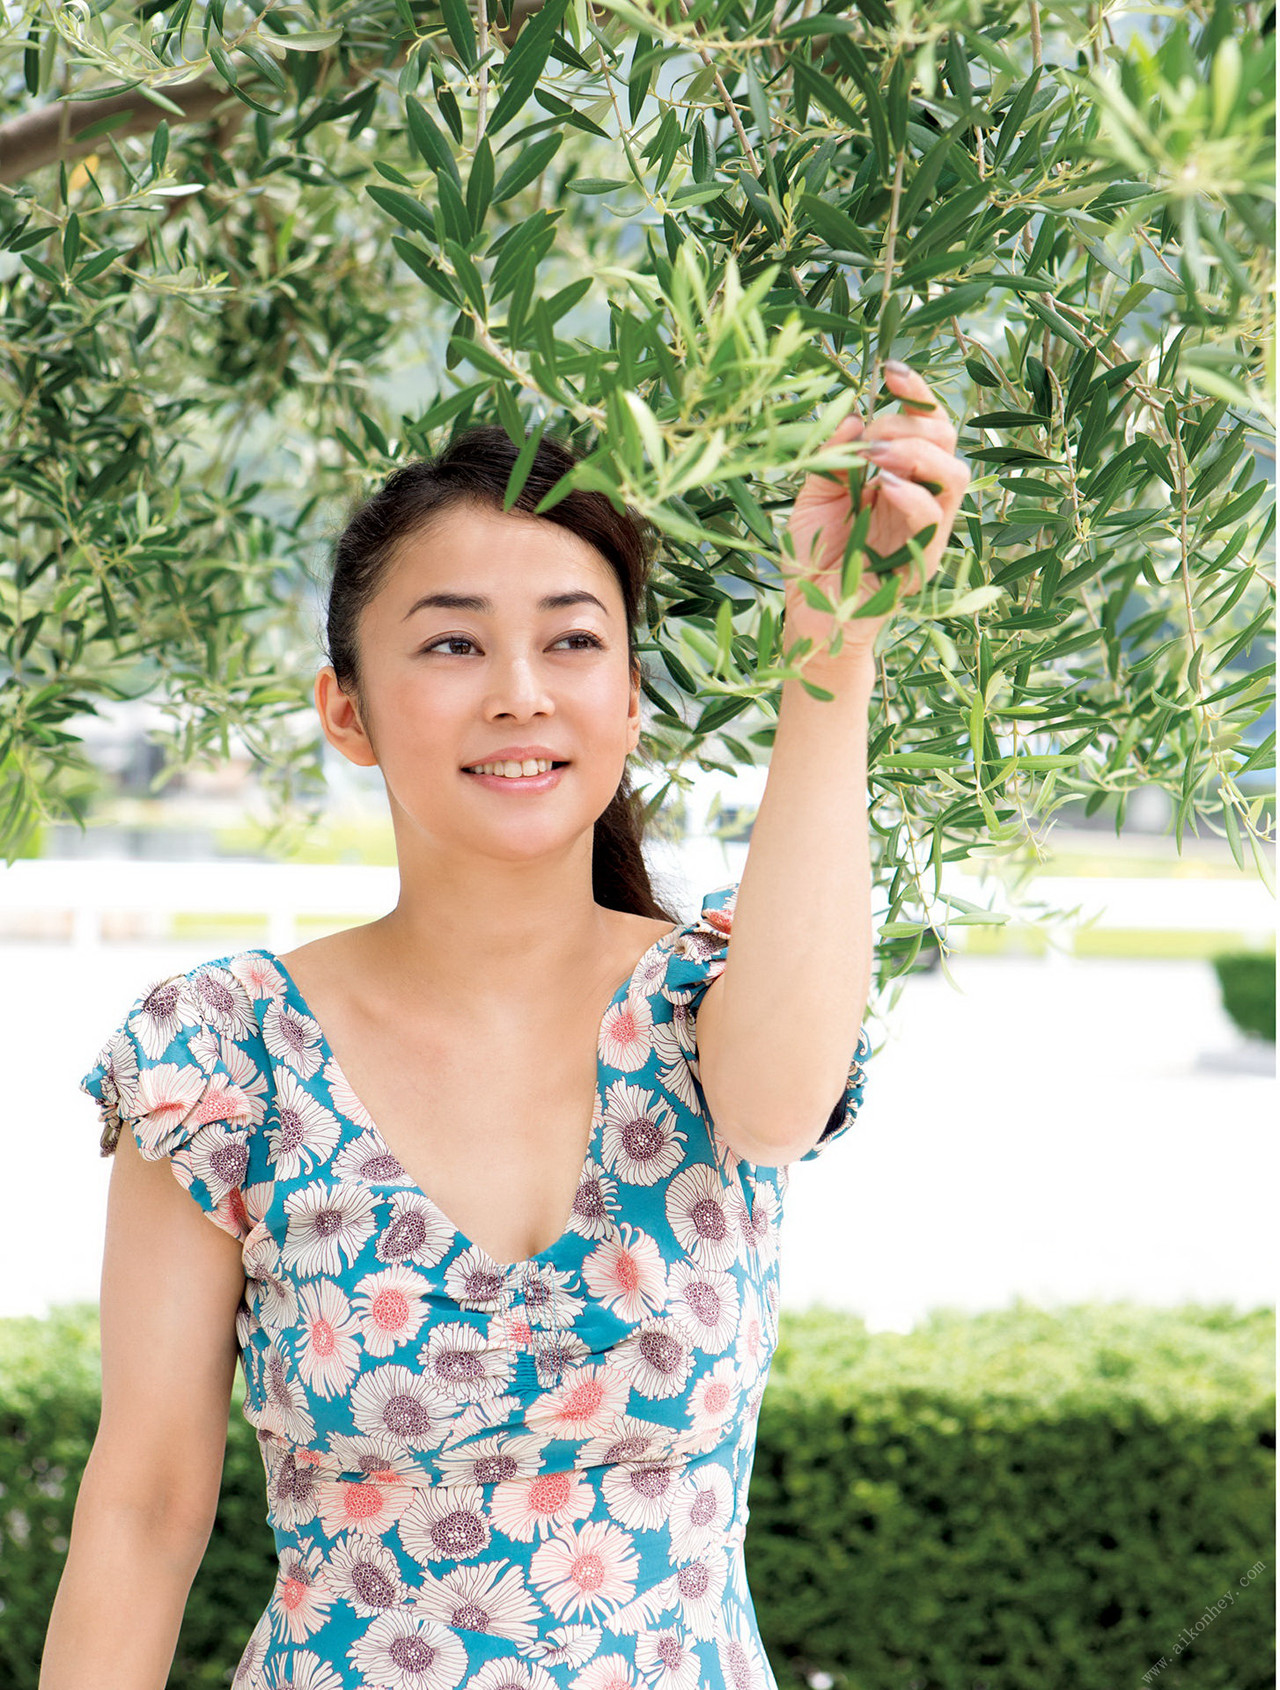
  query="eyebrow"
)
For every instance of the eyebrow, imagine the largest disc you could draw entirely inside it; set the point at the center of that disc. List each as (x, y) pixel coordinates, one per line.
(477, 602)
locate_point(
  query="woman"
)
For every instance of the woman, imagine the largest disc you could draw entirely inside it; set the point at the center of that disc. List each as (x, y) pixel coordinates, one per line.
(503, 1449)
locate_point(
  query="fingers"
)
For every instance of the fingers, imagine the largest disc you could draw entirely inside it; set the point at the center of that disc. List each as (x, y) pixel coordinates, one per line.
(917, 509)
(910, 497)
(907, 383)
(931, 421)
(833, 484)
(922, 460)
(886, 426)
(849, 429)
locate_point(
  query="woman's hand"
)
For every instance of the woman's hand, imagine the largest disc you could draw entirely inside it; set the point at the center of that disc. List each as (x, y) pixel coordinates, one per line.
(920, 484)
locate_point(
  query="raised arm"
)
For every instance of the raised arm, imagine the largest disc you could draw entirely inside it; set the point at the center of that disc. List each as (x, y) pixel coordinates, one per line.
(778, 1029)
(171, 1284)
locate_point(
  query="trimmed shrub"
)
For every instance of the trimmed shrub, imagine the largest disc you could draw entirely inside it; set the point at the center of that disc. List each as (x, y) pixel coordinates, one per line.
(1247, 980)
(1017, 1500)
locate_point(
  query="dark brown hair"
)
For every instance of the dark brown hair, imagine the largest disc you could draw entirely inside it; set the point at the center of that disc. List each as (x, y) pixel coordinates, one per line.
(473, 468)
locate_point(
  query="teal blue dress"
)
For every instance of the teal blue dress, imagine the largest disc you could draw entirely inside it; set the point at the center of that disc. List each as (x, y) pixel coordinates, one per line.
(502, 1477)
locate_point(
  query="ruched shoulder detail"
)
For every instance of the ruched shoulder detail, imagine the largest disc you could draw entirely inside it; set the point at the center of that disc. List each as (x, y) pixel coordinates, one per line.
(166, 1073)
(699, 953)
(700, 948)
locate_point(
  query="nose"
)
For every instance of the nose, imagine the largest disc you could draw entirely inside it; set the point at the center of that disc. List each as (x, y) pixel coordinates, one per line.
(518, 689)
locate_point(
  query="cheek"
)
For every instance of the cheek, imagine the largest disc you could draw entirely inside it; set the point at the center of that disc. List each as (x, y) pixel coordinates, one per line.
(411, 717)
(603, 709)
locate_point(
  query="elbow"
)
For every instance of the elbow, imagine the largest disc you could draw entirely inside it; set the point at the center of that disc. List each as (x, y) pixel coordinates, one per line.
(173, 1512)
(771, 1140)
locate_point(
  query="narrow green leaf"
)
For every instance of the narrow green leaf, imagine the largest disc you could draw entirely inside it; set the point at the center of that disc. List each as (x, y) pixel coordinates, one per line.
(1014, 118)
(97, 264)
(987, 49)
(312, 40)
(428, 141)
(265, 63)
(159, 146)
(820, 90)
(457, 20)
(526, 62)
(70, 242)
(427, 270)
(644, 64)
(526, 167)
(223, 65)
(523, 464)
(897, 101)
(650, 432)
(922, 184)
(851, 57)
(694, 193)
(467, 273)
(952, 302)
(403, 207)
(479, 356)
(44, 271)
(480, 184)
(834, 227)
(450, 110)
(724, 635)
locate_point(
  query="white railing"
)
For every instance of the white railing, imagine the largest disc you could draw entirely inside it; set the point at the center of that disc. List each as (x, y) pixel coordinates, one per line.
(282, 894)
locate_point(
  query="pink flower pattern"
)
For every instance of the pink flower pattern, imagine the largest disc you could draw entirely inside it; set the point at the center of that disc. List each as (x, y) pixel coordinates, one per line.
(481, 1476)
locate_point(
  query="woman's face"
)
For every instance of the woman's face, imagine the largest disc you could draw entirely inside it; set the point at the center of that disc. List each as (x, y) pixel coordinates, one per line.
(492, 630)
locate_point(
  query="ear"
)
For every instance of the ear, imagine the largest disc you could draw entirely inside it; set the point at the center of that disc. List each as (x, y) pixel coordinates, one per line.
(341, 722)
(634, 717)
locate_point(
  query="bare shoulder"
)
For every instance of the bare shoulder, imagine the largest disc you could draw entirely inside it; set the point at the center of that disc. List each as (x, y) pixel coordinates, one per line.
(328, 957)
(646, 926)
(636, 935)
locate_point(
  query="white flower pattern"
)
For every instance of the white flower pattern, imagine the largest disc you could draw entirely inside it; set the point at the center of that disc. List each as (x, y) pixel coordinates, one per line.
(481, 1476)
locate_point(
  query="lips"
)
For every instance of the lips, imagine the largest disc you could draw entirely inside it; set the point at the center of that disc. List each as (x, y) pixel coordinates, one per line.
(544, 781)
(556, 762)
(517, 754)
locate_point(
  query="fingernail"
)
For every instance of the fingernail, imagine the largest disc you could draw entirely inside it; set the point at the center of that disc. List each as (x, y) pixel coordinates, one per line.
(888, 475)
(897, 364)
(875, 446)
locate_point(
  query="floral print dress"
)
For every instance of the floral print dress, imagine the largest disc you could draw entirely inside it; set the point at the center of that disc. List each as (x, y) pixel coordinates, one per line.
(496, 1477)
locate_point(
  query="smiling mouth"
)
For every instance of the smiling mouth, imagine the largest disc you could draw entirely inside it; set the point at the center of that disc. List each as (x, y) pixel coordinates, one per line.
(536, 775)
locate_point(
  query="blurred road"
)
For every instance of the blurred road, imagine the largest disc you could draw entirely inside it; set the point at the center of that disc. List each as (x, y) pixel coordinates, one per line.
(1061, 1129)
(1056, 1128)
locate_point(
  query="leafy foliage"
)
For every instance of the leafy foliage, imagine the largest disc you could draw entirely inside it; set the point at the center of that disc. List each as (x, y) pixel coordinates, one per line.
(684, 236)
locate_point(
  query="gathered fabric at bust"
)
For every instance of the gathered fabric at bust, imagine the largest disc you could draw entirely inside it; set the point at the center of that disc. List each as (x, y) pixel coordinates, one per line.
(499, 1476)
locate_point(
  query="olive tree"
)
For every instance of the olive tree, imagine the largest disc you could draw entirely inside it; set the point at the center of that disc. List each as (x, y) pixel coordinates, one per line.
(683, 234)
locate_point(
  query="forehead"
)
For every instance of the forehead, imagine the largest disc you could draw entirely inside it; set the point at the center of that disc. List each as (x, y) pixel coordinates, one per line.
(509, 559)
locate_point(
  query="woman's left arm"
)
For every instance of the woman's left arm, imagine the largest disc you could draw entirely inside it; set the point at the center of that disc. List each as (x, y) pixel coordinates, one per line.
(777, 1029)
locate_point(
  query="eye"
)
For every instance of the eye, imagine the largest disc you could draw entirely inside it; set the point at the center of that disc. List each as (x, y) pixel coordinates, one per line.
(464, 639)
(449, 639)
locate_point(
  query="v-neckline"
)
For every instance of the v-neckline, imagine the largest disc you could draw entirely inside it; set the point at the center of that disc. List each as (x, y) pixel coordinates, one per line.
(331, 1063)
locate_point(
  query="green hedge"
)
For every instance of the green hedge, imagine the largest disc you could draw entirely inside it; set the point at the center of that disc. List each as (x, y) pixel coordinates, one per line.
(1018, 1500)
(1248, 983)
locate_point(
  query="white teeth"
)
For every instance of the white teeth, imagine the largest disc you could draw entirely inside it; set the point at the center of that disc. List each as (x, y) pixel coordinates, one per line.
(512, 770)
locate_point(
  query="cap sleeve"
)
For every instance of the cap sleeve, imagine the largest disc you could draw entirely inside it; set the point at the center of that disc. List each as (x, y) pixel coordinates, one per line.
(699, 954)
(162, 1073)
(846, 1110)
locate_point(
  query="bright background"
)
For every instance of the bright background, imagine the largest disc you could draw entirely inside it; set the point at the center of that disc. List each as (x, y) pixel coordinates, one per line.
(1065, 1117)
